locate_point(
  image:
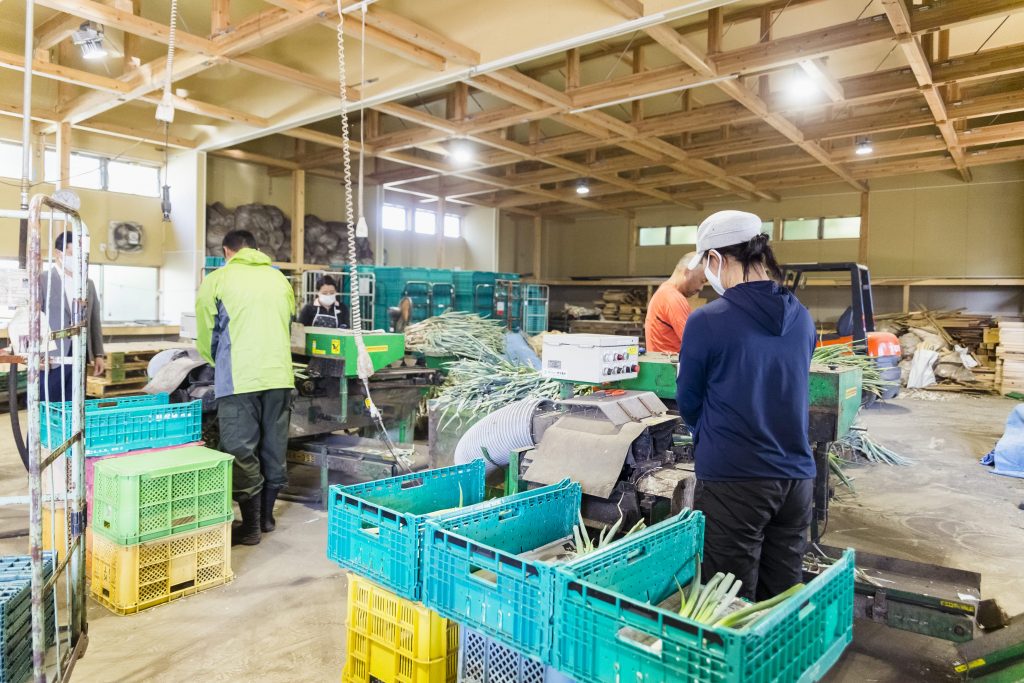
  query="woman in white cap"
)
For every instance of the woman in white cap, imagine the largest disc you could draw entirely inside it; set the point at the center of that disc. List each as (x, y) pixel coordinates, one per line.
(742, 390)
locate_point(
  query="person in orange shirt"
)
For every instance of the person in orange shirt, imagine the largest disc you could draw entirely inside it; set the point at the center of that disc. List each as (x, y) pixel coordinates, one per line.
(668, 309)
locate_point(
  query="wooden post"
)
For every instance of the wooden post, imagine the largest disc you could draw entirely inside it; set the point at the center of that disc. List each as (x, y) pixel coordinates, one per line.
(538, 245)
(714, 31)
(865, 229)
(633, 232)
(220, 16)
(439, 222)
(764, 85)
(572, 68)
(906, 298)
(131, 42)
(298, 217)
(63, 154)
(638, 66)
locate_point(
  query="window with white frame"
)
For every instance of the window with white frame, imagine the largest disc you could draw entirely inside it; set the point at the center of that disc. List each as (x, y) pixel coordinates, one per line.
(393, 217)
(95, 172)
(126, 292)
(425, 222)
(452, 225)
(832, 228)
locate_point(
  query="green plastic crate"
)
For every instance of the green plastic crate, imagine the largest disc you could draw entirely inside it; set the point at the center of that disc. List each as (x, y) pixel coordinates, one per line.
(143, 497)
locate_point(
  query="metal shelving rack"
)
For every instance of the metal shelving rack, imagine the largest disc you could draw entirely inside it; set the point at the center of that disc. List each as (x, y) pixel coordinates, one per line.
(66, 584)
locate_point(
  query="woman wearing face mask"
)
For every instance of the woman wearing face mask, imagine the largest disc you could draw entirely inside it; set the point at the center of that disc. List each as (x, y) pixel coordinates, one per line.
(326, 310)
(742, 390)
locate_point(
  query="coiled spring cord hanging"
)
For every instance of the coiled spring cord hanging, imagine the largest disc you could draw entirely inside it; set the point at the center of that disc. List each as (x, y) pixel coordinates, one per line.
(364, 365)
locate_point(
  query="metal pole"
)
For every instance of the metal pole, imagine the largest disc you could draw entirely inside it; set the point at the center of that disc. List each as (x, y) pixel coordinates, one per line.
(26, 125)
(35, 519)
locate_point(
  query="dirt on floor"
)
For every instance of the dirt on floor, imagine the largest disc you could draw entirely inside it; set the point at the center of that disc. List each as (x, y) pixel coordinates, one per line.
(282, 617)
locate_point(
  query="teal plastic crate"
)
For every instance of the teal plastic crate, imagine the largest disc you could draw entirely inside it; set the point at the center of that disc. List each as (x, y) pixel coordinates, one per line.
(152, 495)
(472, 571)
(376, 529)
(608, 628)
(119, 425)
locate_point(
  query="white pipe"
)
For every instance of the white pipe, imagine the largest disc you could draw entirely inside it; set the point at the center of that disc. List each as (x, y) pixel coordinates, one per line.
(26, 103)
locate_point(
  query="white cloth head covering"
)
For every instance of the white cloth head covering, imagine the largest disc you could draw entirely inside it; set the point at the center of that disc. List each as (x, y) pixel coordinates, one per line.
(724, 229)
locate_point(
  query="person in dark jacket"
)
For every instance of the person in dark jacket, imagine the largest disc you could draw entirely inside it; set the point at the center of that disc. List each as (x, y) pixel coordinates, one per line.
(326, 310)
(744, 367)
(57, 289)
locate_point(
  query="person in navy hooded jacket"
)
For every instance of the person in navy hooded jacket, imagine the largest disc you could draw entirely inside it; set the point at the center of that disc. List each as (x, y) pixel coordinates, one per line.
(742, 390)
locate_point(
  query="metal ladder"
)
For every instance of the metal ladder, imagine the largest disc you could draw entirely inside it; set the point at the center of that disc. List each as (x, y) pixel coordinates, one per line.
(67, 582)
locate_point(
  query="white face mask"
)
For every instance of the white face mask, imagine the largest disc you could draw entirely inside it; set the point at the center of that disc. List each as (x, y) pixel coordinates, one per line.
(326, 300)
(714, 279)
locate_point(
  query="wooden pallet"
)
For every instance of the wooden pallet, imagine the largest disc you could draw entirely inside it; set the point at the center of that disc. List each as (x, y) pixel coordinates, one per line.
(100, 387)
(125, 371)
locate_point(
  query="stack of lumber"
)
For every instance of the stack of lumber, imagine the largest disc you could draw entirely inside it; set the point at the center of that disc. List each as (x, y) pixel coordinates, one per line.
(1009, 374)
(623, 305)
(943, 331)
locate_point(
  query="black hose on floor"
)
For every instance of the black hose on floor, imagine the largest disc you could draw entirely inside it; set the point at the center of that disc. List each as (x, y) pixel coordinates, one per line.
(13, 408)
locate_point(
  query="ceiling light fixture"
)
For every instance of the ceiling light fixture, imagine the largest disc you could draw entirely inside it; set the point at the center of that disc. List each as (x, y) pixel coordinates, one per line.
(89, 39)
(864, 147)
(461, 154)
(802, 88)
(582, 186)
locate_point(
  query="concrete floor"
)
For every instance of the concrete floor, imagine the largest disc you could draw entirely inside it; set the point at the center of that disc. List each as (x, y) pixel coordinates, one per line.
(282, 618)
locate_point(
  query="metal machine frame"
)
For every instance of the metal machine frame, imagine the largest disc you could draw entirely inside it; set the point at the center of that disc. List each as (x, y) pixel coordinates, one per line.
(68, 487)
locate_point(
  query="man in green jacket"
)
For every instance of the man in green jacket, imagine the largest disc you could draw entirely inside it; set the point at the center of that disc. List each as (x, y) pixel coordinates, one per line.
(243, 321)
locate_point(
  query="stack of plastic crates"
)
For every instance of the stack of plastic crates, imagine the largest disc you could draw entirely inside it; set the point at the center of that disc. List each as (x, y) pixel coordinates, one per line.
(118, 425)
(16, 615)
(375, 530)
(161, 527)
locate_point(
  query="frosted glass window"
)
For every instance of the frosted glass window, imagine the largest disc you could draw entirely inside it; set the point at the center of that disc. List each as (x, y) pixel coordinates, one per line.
(393, 217)
(452, 225)
(650, 237)
(847, 228)
(132, 178)
(128, 293)
(682, 234)
(10, 160)
(425, 222)
(86, 171)
(768, 228)
(800, 229)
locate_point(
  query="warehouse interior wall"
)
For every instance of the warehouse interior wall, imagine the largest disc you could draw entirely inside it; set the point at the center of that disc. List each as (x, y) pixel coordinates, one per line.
(184, 251)
(234, 183)
(926, 225)
(99, 207)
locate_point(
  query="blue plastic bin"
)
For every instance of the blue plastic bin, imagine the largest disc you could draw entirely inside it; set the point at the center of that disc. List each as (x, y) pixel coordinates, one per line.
(118, 425)
(472, 572)
(376, 529)
(608, 628)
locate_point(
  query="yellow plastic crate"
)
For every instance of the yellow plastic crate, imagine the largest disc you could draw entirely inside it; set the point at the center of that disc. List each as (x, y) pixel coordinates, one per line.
(130, 578)
(62, 536)
(396, 640)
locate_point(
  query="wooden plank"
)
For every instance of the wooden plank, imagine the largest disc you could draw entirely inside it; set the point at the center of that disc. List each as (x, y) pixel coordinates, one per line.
(220, 16)
(400, 27)
(298, 216)
(865, 228)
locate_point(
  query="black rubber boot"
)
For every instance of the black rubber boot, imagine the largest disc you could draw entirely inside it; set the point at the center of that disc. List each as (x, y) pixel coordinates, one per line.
(267, 521)
(248, 532)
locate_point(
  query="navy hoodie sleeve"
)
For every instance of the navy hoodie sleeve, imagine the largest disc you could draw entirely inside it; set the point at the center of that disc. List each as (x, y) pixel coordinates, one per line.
(692, 377)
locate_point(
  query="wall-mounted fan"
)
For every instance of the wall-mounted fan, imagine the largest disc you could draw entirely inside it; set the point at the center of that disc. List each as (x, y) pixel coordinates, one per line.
(124, 237)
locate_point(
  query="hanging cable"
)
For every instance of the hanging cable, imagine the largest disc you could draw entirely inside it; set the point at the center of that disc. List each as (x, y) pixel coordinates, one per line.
(165, 110)
(364, 365)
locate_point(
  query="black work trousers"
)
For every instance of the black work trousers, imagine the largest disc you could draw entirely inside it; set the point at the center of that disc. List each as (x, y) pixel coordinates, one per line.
(757, 530)
(254, 429)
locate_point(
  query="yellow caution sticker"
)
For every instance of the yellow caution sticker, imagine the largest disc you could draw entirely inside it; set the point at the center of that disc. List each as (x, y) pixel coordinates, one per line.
(957, 605)
(335, 346)
(316, 351)
(376, 349)
(851, 392)
(631, 350)
(964, 668)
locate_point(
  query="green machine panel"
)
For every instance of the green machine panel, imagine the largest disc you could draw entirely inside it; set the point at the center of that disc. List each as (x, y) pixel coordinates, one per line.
(384, 347)
(657, 374)
(835, 394)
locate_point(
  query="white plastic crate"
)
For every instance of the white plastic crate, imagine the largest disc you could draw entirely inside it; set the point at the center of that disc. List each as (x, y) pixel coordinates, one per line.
(483, 660)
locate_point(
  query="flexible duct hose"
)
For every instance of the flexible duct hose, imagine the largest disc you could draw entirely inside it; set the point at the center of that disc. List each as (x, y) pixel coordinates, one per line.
(503, 431)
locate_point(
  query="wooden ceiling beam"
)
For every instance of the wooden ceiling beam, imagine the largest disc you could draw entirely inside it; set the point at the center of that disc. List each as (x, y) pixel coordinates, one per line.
(416, 34)
(675, 44)
(56, 29)
(899, 18)
(287, 74)
(936, 15)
